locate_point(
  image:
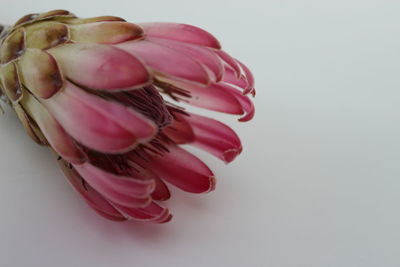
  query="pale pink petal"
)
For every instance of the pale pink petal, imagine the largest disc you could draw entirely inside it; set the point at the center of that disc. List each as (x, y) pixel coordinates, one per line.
(201, 54)
(101, 67)
(122, 190)
(166, 61)
(180, 32)
(91, 196)
(97, 123)
(183, 170)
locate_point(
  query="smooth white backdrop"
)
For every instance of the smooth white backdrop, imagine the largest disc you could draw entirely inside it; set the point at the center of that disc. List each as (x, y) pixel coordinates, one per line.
(318, 184)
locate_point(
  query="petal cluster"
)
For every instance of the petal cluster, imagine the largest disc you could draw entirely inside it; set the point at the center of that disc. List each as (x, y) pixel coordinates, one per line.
(103, 94)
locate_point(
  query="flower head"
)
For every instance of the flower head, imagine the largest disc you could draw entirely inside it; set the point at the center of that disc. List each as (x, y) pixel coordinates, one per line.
(102, 93)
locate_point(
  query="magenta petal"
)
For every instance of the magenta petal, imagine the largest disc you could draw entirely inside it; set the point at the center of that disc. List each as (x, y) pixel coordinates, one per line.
(97, 123)
(122, 190)
(166, 61)
(180, 32)
(201, 54)
(101, 67)
(183, 170)
(92, 197)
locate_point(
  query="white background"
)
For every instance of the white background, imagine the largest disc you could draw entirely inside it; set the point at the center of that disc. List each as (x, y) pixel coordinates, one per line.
(318, 184)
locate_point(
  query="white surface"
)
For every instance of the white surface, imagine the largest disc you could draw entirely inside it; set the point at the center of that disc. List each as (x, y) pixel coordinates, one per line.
(318, 184)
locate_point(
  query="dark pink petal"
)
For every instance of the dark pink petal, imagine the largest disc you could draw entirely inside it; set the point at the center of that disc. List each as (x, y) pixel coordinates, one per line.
(183, 170)
(97, 123)
(208, 134)
(92, 197)
(166, 61)
(122, 190)
(101, 66)
(201, 54)
(180, 130)
(214, 97)
(161, 192)
(180, 32)
(230, 61)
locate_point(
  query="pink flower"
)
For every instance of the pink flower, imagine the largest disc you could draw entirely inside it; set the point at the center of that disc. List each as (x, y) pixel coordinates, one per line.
(102, 94)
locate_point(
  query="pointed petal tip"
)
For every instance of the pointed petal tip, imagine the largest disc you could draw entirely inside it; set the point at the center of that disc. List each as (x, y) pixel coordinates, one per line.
(248, 116)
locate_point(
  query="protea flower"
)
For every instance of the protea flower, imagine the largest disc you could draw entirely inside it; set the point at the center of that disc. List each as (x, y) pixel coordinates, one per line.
(94, 91)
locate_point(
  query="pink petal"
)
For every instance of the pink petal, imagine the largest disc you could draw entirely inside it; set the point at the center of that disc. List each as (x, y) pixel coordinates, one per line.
(122, 190)
(166, 61)
(201, 54)
(229, 77)
(180, 32)
(161, 192)
(230, 61)
(208, 134)
(92, 197)
(152, 213)
(180, 130)
(214, 97)
(101, 66)
(244, 101)
(249, 77)
(97, 123)
(183, 170)
(134, 213)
